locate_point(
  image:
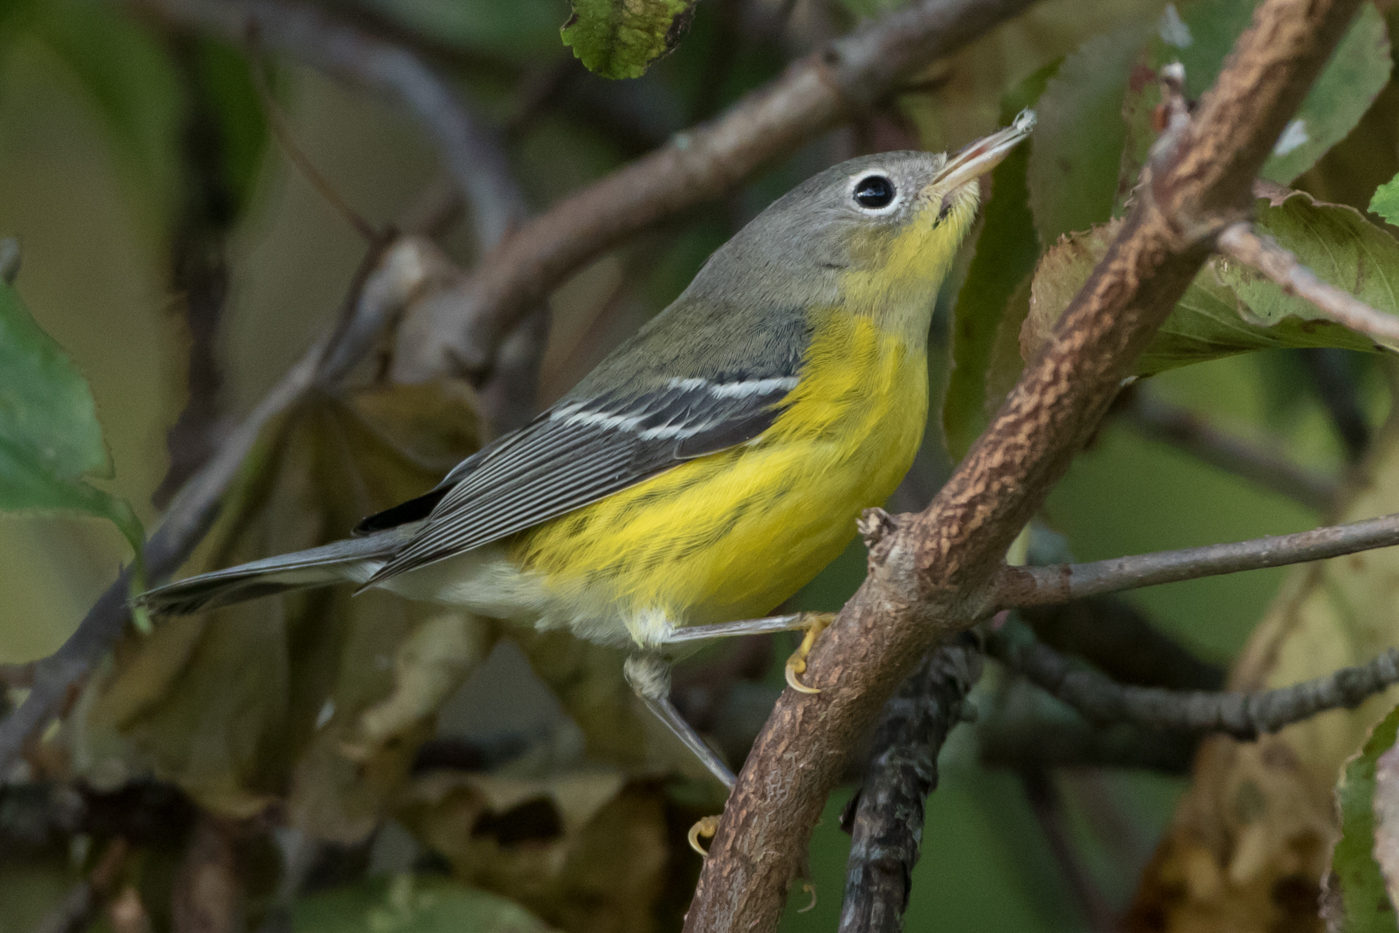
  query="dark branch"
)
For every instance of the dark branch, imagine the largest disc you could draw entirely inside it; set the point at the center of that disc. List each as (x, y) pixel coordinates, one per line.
(1241, 715)
(469, 148)
(1117, 638)
(1267, 467)
(886, 817)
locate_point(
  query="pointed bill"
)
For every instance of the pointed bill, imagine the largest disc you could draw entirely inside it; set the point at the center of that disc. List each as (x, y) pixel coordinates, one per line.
(978, 158)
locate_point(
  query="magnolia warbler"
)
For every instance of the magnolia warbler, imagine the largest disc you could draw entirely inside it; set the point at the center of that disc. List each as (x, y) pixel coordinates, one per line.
(713, 463)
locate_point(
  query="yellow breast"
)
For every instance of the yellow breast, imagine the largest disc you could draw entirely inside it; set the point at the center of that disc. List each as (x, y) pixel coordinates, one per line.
(732, 534)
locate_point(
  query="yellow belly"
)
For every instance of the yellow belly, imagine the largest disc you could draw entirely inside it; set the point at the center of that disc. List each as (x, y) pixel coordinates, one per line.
(732, 534)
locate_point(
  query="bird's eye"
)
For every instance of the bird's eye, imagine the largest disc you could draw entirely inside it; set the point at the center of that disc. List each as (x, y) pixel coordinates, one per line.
(874, 192)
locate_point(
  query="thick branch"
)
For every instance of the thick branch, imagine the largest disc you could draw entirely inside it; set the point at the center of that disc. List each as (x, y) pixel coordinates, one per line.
(1018, 587)
(929, 577)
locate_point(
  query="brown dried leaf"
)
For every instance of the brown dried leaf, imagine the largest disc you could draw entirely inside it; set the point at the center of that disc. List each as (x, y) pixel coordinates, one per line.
(1253, 835)
(585, 851)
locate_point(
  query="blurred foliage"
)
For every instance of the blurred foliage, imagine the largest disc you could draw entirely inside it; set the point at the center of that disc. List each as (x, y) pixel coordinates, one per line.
(50, 441)
(1252, 837)
(388, 765)
(420, 904)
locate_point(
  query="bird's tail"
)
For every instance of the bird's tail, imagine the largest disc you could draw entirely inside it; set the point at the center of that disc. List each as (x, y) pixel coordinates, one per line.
(351, 560)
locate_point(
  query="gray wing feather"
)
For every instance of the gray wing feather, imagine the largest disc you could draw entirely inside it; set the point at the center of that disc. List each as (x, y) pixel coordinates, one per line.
(581, 451)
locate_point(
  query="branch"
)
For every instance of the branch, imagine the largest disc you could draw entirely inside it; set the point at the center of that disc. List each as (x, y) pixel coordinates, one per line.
(1047, 806)
(930, 576)
(1258, 464)
(1241, 715)
(1333, 378)
(470, 149)
(198, 271)
(1019, 587)
(1239, 241)
(886, 816)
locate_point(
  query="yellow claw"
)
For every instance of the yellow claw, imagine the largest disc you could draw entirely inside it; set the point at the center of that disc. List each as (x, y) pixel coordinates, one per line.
(816, 623)
(704, 828)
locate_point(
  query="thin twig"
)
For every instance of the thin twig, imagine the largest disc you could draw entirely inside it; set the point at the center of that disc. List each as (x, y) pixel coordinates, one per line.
(1047, 805)
(1241, 715)
(886, 816)
(1019, 587)
(469, 148)
(1241, 242)
(933, 574)
(836, 83)
(1265, 466)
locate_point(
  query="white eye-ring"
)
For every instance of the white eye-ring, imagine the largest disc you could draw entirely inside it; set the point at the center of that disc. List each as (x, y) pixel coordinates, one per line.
(874, 192)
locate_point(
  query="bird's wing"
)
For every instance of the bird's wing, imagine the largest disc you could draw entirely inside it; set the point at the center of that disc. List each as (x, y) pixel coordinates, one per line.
(583, 450)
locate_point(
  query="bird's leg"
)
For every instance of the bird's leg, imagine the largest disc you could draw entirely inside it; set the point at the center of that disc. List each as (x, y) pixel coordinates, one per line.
(649, 676)
(813, 622)
(816, 623)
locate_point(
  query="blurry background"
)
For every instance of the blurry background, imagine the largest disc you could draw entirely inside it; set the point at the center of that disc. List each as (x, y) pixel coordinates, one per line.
(96, 178)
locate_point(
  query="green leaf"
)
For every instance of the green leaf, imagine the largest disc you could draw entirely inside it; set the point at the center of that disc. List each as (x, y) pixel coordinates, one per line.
(1385, 203)
(50, 440)
(1229, 309)
(1096, 117)
(621, 38)
(1354, 76)
(1356, 899)
(1334, 241)
(1073, 166)
(1006, 250)
(1202, 38)
(420, 904)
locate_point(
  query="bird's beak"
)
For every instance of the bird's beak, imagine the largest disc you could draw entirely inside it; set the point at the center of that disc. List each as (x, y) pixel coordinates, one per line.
(978, 158)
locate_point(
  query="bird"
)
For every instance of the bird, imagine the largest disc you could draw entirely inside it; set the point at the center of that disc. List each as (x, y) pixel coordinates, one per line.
(709, 466)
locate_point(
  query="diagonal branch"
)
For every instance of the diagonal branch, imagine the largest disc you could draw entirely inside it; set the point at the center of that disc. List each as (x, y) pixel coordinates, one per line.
(1256, 463)
(1019, 587)
(832, 85)
(931, 576)
(469, 148)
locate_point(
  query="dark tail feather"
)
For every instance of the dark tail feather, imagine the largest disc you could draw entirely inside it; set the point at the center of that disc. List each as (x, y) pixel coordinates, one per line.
(351, 560)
